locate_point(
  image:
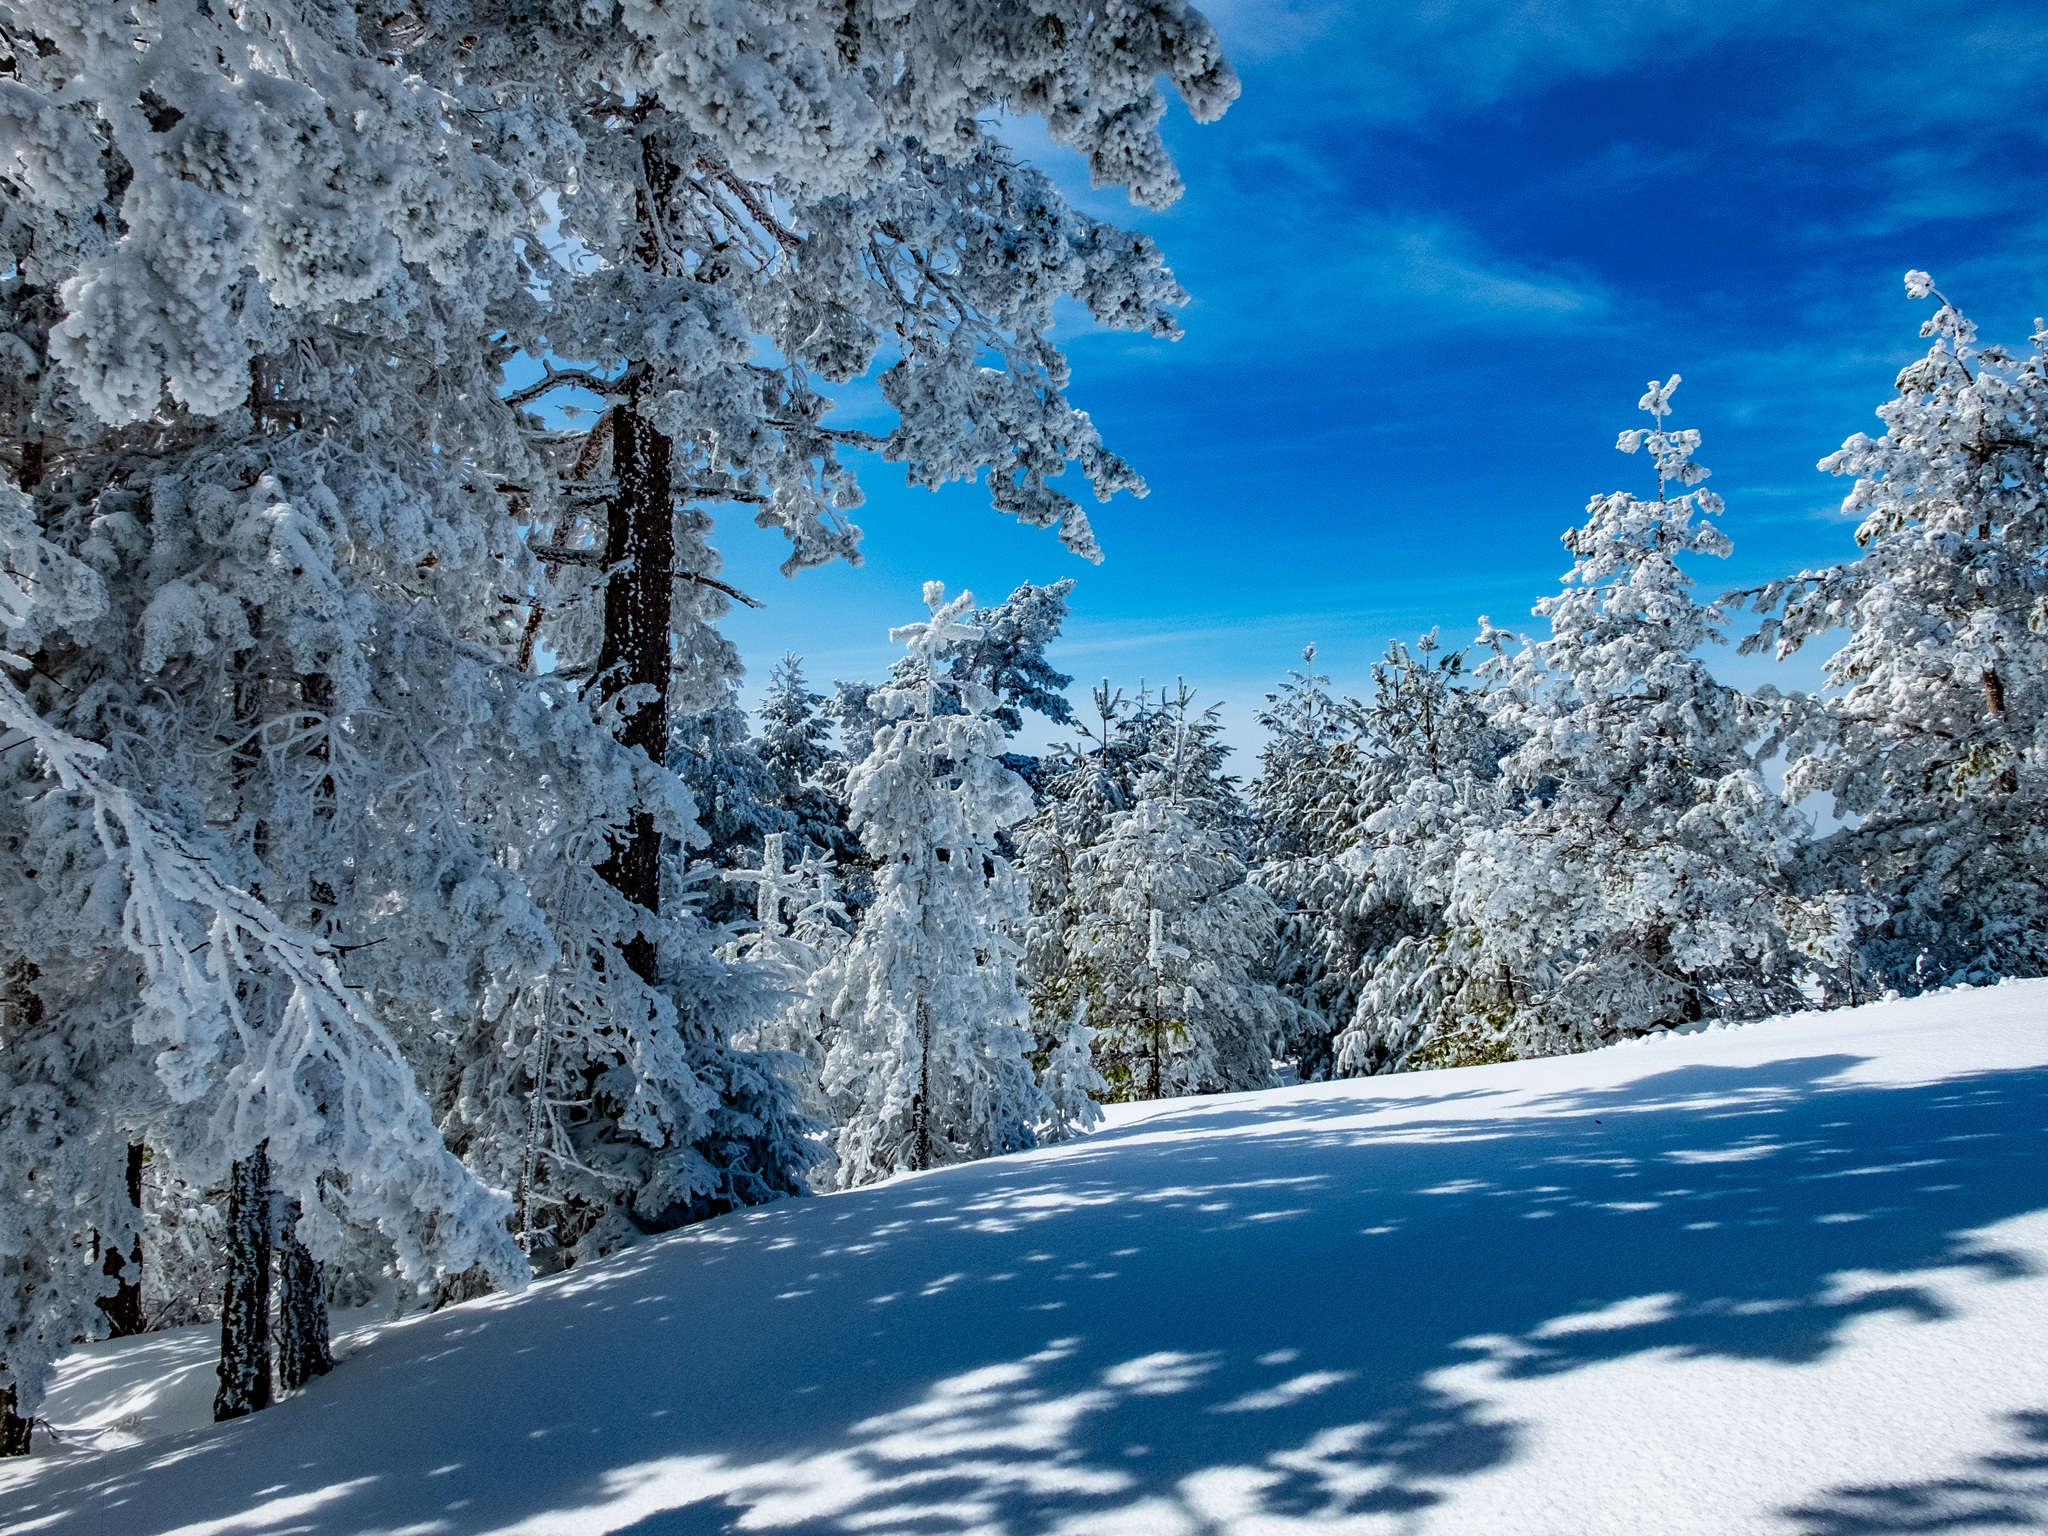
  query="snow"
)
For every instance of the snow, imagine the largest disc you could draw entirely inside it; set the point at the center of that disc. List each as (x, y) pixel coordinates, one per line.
(1789, 1277)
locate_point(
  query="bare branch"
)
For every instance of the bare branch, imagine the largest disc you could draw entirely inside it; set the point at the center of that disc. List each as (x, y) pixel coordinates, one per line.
(557, 556)
(565, 378)
(712, 581)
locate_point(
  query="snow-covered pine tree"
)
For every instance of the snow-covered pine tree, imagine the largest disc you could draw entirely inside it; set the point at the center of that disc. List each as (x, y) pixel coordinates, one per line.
(800, 923)
(212, 1030)
(1429, 780)
(1073, 1088)
(233, 520)
(1001, 649)
(928, 1064)
(1934, 735)
(795, 733)
(384, 728)
(1086, 784)
(1330, 768)
(1645, 881)
(720, 264)
(614, 1097)
(860, 196)
(795, 747)
(1305, 794)
(1006, 654)
(806, 226)
(1177, 947)
(1164, 937)
(853, 711)
(737, 798)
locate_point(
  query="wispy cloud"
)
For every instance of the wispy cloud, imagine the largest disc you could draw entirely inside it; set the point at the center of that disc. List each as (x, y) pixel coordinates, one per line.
(1427, 59)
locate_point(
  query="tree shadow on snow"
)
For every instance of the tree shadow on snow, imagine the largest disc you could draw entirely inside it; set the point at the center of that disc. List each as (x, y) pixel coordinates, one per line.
(2007, 1490)
(1216, 1315)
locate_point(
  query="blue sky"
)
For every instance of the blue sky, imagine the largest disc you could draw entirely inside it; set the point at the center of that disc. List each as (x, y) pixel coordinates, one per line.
(1436, 250)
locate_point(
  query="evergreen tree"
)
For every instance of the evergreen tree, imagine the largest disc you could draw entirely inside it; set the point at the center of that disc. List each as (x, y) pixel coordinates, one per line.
(795, 745)
(1935, 733)
(1073, 1088)
(238, 1036)
(230, 519)
(1344, 790)
(796, 750)
(1176, 946)
(1084, 785)
(737, 798)
(800, 923)
(1006, 654)
(1638, 876)
(928, 1060)
(1142, 911)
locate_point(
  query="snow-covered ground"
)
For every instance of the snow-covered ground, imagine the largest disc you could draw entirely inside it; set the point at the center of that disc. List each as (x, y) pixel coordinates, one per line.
(1786, 1278)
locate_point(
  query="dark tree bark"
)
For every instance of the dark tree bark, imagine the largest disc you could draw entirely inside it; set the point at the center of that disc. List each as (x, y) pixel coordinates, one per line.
(302, 1349)
(1994, 694)
(640, 549)
(14, 1429)
(245, 1304)
(2008, 780)
(245, 754)
(24, 1010)
(124, 1307)
(316, 693)
(922, 1156)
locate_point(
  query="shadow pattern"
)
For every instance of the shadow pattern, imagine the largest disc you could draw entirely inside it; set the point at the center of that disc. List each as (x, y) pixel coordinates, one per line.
(1231, 1316)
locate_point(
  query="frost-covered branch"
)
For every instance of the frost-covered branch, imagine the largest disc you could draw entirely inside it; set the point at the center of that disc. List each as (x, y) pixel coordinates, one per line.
(322, 1081)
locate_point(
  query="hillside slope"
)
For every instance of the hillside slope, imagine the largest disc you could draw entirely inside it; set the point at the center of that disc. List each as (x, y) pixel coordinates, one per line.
(1785, 1278)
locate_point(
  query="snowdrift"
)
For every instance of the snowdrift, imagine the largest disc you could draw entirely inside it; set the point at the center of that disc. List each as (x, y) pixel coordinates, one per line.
(1785, 1278)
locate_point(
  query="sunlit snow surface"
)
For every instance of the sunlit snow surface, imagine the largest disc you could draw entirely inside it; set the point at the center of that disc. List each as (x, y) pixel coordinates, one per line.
(1787, 1278)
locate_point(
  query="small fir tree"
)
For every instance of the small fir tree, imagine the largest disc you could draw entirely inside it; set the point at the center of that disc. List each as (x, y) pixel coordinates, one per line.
(1073, 1088)
(928, 1064)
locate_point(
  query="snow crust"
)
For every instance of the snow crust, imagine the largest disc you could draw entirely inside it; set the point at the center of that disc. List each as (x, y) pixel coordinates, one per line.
(1789, 1278)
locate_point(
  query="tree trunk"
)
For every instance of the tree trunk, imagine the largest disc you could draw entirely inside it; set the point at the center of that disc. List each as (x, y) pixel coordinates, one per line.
(14, 1429)
(124, 1307)
(1155, 1081)
(2008, 780)
(245, 754)
(1994, 694)
(1155, 1022)
(923, 1152)
(640, 549)
(640, 552)
(245, 1304)
(316, 693)
(302, 1350)
(24, 1009)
